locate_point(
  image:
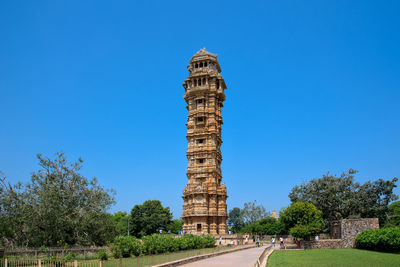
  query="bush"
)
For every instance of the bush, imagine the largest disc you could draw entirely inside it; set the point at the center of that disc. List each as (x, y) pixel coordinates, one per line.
(305, 231)
(125, 246)
(102, 255)
(70, 257)
(154, 244)
(384, 239)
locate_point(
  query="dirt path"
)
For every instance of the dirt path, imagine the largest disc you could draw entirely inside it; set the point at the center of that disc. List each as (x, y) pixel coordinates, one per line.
(243, 258)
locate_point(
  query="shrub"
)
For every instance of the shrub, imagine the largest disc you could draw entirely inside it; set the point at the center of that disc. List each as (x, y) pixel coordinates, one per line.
(305, 231)
(154, 244)
(125, 246)
(70, 257)
(102, 255)
(209, 241)
(384, 239)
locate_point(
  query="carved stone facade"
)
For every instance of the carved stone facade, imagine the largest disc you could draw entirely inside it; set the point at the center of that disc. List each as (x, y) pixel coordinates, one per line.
(204, 208)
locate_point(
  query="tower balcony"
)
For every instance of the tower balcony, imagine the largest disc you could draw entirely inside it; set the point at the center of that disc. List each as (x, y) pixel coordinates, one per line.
(194, 189)
(195, 212)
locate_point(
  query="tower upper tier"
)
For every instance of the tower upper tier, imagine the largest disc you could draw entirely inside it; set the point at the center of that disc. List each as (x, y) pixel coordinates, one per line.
(204, 59)
(204, 76)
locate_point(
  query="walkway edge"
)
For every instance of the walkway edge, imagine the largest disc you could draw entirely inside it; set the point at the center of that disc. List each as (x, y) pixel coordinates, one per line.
(264, 263)
(262, 258)
(200, 257)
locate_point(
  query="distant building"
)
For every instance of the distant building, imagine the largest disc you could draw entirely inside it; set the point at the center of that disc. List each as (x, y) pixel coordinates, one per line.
(274, 214)
(204, 208)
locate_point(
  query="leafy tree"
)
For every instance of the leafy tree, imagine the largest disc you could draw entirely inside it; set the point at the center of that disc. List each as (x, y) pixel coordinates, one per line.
(149, 218)
(265, 226)
(235, 219)
(393, 214)
(175, 226)
(302, 219)
(11, 214)
(58, 206)
(252, 213)
(271, 226)
(121, 221)
(341, 197)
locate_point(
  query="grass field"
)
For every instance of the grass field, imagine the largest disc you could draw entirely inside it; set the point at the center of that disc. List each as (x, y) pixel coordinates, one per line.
(332, 257)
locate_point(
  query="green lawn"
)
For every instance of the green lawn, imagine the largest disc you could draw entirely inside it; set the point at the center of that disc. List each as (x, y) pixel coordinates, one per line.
(332, 257)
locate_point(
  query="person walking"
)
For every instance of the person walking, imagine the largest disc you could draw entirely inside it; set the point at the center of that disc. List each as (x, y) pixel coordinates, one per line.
(258, 241)
(273, 242)
(247, 240)
(220, 240)
(281, 241)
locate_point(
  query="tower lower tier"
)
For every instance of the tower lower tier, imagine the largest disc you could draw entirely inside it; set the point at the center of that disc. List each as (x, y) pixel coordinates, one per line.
(214, 225)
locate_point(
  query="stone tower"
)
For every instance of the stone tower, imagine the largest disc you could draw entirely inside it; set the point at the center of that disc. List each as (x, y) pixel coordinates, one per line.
(204, 208)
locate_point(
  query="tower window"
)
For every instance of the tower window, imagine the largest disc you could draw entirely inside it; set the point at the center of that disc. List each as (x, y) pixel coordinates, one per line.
(199, 227)
(200, 119)
(201, 64)
(205, 64)
(200, 101)
(196, 66)
(200, 141)
(200, 161)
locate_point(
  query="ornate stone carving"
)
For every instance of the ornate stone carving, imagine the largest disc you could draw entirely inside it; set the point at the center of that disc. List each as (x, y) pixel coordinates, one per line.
(204, 208)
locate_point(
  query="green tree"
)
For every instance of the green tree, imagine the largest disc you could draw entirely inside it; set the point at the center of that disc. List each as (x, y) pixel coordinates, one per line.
(149, 218)
(121, 220)
(302, 219)
(235, 219)
(175, 226)
(265, 226)
(252, 212)
(58, 206)
(393, 214)
(271, 226)
(11, 214)
(341, 197)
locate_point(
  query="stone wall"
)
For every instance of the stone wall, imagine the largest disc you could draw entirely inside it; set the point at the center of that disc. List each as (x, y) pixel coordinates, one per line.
(352, 227)
(325, 243)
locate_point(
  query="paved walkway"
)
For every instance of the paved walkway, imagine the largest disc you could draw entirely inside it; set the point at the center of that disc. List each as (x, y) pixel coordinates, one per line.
(242, 258)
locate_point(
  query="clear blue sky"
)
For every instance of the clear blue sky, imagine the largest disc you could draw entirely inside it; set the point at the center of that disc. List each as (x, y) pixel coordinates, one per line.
(313, 86)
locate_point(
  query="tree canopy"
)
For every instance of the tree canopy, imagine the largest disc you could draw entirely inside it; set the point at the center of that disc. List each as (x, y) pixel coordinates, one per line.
(121, 222)
(340, 197)
(302, 219)
(235, 219)
(58, 206)
(252, 212)
(265, 226)
(149, 218)
(394, 214)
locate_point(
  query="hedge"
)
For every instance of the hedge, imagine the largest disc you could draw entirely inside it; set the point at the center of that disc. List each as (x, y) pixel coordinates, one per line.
(125, 246)
(384, 239)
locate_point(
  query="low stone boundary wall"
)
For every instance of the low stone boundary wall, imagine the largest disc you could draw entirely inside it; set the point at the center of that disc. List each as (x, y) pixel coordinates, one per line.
(200, 257)
(261, 261)
(325, 243)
